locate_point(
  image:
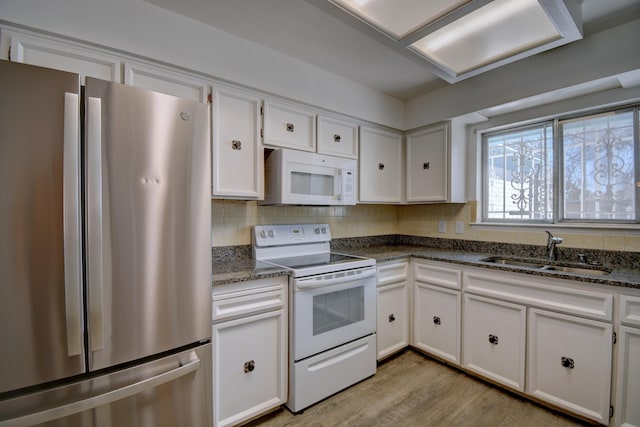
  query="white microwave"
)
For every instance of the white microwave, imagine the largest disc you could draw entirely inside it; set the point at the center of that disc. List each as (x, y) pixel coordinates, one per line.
(295, 177)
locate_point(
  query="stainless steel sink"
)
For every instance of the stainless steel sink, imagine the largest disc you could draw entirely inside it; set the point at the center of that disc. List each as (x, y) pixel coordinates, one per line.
(550, 266)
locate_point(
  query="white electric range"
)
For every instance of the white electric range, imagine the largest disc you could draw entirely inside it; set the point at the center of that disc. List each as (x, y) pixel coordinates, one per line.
(332, 310)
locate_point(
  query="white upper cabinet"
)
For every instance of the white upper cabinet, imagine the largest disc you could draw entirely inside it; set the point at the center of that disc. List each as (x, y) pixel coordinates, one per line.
(289, 126)
(238, 156)
(436, 170)
(165, 81)
(64, 56)
(337, 137)
(380, 168)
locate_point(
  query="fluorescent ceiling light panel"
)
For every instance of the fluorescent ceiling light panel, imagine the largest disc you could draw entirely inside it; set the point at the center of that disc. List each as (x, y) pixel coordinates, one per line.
(399, 18)
(493, 32)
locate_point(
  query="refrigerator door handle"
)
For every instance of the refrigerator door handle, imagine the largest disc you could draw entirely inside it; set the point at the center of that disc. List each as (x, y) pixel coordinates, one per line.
(94, 222)
(71, 215)
(106, 398)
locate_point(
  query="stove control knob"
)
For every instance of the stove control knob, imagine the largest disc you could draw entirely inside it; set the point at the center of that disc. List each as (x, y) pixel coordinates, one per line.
(263, 234)
(317, 230)
(324, 230)
(271, 234)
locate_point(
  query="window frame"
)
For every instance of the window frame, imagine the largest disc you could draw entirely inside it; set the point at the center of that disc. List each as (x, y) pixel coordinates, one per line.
(558, 170)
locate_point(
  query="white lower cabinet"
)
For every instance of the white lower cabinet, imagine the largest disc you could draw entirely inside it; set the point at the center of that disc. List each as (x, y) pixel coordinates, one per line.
(249, 350)
(393, 316)
(494, 336)
(437, 309)
(436, 327)
(569, 363)
(627, 407)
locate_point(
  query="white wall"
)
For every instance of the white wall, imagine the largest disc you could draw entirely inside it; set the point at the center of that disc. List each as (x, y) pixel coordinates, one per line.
(143, 29)
(610, 52)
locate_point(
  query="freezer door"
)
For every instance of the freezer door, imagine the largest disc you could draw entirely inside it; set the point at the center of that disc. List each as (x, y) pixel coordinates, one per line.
(40, 271)
(172, 391)
(148, 222)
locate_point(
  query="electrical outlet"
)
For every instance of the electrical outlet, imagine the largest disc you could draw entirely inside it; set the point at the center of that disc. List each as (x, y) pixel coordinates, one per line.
(459, 227)
(442, 226)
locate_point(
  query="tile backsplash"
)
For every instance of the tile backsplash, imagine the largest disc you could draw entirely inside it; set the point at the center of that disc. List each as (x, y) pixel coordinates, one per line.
(232, 222)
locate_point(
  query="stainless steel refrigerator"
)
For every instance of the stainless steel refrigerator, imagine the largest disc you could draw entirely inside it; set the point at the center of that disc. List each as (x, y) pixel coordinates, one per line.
(105, 254)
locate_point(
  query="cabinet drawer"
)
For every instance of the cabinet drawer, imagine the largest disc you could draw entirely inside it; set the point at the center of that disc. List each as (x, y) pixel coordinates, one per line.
(337, 137)
(630, 310)
(571, 301)
(441, 276)
(236, 301)
(391, 273)
(289, 126)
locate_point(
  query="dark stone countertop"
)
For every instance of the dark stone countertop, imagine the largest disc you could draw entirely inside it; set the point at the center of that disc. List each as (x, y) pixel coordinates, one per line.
(242, 270)
(622, 277)
(232, 270)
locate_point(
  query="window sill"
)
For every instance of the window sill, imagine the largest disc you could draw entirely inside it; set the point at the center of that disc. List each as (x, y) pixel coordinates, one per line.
(627, 229)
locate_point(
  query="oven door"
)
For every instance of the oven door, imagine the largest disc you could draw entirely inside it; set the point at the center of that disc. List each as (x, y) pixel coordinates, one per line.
(332, 309)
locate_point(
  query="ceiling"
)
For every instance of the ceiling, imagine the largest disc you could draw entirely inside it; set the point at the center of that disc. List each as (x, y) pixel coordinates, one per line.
(302, 30)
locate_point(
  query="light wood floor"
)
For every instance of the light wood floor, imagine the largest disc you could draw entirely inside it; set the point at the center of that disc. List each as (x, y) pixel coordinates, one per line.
(414, 390)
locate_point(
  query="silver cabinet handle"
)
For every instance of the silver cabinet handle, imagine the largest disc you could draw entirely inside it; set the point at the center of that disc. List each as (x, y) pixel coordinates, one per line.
(380, 166)
(94, 229)
(104, 399)
(437, 320)
(249, 366)
(336, 138)
(71, 215)
(236, 144)
(290, 127)
(392, 318)
(567, 362)
(493, 339)
(426, 165)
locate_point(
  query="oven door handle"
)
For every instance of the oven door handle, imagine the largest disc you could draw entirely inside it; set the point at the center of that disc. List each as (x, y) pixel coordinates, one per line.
(334, 278)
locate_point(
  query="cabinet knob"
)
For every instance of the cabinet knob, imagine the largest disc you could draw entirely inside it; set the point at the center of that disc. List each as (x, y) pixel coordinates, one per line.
(392, 318)
(436, 320)
(336, 138)
(249, 366)
(493, 339)
(567, 362)
(426, 165)
(380, 166)
(290, 127)
(236, 145)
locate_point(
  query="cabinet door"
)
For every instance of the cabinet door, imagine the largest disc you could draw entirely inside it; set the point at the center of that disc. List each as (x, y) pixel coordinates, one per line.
(436, 327)
(64, 56)
(569, 363)
(165, 81)
(380, 166)
(393, 318)
(238, 156)
(627, 410)
(249, 367)
(289, 126)
(428, 164)
(494, 340)
(337, 137)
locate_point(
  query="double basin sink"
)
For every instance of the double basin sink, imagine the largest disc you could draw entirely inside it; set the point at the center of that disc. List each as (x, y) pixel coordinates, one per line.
(549, 265)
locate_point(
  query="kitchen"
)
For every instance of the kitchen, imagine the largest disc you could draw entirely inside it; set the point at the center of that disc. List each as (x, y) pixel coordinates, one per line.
(141, 32)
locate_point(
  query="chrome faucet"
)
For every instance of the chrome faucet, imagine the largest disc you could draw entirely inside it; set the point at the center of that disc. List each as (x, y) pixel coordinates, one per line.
(552, 251)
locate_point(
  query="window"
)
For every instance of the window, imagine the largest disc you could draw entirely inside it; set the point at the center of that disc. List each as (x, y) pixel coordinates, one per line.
(579, 169)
